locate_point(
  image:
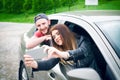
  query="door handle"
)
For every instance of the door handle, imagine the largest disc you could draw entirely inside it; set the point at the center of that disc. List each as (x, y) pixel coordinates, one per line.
(51, 75)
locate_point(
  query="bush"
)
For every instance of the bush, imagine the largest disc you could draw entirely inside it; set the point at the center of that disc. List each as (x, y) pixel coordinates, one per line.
(14, 6)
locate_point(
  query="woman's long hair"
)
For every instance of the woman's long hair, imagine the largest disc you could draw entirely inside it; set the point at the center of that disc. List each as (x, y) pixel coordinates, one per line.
(69, 42)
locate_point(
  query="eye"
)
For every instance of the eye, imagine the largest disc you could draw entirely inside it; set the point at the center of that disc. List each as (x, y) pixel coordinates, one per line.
(43, 23)
(38, 25)
(57, 33)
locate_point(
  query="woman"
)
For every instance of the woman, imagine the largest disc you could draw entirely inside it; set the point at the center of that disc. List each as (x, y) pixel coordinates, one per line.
(64, 50)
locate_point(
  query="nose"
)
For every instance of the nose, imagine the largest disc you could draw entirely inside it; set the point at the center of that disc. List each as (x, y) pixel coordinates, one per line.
(56, 37)
(42, 26)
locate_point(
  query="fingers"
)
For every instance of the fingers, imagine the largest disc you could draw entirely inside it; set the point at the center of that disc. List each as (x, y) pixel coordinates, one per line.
(46, 48)
(48, 37)
(29, 61)
(50, 50)
(28, 58)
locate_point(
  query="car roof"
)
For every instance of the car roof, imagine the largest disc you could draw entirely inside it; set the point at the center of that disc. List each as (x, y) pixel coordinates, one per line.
(93, 15)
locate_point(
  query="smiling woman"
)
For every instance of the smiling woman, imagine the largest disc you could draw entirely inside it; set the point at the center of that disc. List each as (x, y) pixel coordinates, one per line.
(60, 37)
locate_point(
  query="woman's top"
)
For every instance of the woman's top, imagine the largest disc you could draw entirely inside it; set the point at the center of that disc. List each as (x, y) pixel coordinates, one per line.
(47, 64)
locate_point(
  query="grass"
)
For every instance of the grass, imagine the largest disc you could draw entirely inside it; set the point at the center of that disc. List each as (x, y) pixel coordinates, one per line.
(4, 17)
(28, 17)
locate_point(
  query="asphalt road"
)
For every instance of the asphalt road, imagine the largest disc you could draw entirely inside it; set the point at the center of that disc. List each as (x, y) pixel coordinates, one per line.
(10, 34)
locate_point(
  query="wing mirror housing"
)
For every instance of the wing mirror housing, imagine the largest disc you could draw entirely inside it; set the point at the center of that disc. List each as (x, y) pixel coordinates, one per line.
(83, 74)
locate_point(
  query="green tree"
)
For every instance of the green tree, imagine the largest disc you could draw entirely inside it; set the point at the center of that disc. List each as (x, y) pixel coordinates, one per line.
(46, 5)
(8, 5)
(14, 6)
(1, 4)
(41, 5)
(35, 5)
(27, 5)
(56, 4)
(17, 6)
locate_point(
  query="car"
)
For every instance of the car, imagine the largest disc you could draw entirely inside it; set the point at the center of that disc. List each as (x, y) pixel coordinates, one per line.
(102, 27)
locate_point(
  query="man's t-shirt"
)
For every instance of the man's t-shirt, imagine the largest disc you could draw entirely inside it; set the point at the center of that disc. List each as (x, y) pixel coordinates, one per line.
(38, 34)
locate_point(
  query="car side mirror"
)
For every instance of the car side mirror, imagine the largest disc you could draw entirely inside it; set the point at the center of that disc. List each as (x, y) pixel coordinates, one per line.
(83, 74)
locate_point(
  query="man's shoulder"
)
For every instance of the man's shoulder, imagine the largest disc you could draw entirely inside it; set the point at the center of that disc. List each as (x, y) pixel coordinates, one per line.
(38, 34)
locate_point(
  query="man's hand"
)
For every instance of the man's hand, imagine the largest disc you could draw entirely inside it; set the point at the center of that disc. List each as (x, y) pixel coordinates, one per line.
(48, 37)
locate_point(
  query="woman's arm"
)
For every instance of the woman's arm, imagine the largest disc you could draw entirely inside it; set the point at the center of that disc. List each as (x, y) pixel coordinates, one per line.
(46, 64)
(40, 65)
(83, 54)
(53, 52)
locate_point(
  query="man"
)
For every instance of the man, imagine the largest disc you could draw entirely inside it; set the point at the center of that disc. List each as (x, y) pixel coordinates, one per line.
(42, 24)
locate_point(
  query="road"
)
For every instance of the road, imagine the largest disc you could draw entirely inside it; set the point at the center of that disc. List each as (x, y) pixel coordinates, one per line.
(10, 34)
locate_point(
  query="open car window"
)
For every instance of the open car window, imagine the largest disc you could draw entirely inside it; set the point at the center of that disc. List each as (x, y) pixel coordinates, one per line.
(53, 22)
(98, 56)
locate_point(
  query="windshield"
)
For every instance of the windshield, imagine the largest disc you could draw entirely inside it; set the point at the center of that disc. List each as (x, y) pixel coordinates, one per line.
(111, 30)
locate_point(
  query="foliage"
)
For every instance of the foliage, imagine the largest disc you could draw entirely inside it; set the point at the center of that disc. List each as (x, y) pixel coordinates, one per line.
(13, 6)
(1, 4)
(18, 6)
(42, 6)
(27, 5)
(29, 8)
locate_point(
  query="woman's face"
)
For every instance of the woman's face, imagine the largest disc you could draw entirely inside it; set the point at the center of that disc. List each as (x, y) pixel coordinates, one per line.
(57, 37)
(42, 25)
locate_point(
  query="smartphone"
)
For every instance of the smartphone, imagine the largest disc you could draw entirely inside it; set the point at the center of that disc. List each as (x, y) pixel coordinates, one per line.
(37, 53)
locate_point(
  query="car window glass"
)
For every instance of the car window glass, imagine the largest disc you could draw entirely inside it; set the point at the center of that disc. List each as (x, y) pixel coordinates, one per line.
(75, 28)
(53, 22)
(111, 30)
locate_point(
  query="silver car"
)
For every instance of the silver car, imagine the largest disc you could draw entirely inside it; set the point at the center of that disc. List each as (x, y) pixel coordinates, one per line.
(102, 27)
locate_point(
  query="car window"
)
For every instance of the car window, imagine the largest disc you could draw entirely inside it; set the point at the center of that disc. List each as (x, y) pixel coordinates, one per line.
(112, 35)
(53, 22)
(101, 63)
(111, 30)
(75, 28)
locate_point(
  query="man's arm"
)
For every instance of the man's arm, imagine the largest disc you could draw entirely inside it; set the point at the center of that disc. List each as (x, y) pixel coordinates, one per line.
(34, 41)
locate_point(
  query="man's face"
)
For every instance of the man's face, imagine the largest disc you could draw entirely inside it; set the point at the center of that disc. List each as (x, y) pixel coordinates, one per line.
(43, 25)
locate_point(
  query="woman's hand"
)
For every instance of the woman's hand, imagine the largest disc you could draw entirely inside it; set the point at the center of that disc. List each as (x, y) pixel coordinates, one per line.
(51, 51)
(30, 62)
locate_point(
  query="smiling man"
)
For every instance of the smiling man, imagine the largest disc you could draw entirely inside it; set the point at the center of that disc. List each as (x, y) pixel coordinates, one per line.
(41, 35)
